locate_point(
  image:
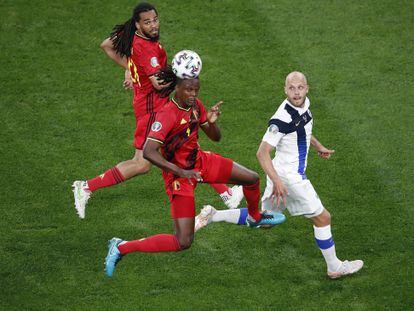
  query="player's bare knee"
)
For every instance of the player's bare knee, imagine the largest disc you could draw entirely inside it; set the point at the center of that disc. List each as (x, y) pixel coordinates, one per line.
(185, 241)
(254, 178)
(326, 217)
(141, 166)
(322, 220)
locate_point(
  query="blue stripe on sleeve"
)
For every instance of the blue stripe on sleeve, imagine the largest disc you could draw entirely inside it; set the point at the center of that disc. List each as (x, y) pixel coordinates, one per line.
(283, 127)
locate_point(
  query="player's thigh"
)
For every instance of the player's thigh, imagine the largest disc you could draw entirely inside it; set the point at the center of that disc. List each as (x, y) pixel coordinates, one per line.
(182, 206)
(214, 168)
(303, 200)
(269, 203)
(241, 175)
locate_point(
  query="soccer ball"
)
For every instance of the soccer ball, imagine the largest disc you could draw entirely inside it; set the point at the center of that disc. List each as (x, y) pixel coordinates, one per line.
(186, 64)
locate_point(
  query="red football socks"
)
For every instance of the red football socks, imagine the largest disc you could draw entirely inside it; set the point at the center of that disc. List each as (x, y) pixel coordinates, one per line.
(220, 188)
(153, 244)
(252, 195)
(111, 177)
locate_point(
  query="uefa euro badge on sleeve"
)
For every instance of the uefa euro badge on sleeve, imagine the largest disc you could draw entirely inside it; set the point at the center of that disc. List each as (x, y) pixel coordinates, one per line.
(154, 62)
(273, 129)
(156, 126)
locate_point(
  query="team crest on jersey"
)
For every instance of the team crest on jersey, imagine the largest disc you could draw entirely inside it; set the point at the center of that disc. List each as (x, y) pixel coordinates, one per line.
(156, 126)
(176, 185)
(154, 62)
(273, 129)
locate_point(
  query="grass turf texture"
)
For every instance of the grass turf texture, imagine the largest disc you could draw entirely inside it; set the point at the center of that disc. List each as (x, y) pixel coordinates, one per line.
(65, 117)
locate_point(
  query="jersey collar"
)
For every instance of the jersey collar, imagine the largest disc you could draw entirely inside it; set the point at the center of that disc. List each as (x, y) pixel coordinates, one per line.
(141, 36)
(178, 105)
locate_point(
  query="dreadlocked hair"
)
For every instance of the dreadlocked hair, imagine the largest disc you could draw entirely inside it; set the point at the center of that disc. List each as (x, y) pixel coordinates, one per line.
(122, 35)
(166, 75)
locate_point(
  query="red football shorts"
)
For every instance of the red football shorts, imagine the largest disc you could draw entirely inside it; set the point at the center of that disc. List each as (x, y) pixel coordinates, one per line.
(145, 108)
(143, 127)
(214, 169)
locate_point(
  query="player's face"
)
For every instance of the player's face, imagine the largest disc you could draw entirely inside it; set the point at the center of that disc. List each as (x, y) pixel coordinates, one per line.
(186, 92)
(296, 91)
(149, 25)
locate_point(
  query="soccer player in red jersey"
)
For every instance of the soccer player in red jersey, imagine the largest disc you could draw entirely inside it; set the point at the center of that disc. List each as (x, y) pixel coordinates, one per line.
(172, 145)
(134, 46)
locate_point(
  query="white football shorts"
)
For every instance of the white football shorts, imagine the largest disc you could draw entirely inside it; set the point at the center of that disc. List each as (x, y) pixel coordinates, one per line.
(301, 200)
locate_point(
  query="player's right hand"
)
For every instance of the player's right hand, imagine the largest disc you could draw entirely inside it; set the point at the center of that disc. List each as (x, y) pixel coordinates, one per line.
(280, 192)
(191, 174)
(128, 84)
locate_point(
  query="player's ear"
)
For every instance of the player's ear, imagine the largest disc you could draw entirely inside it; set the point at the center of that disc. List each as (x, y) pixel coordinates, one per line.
(137, 26)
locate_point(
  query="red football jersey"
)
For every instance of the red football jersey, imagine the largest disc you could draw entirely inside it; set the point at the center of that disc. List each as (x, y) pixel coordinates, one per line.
(147, 57)
(177, 129)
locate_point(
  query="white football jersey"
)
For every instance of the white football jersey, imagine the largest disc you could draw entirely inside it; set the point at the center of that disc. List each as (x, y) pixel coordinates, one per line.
(290, 131)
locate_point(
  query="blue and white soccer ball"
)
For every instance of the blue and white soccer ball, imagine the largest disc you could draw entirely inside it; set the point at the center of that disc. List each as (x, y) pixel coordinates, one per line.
(186, 64)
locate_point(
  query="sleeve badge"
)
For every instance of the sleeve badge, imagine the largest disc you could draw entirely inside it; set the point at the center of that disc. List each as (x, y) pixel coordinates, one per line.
(154, 62)
(156, 126)
(273, 129)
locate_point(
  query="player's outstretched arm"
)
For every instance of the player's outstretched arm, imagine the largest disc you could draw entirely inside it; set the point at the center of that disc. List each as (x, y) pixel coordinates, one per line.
(109, 50)
(323, 152)
(152, 153)
(211, 128)
(263, 155)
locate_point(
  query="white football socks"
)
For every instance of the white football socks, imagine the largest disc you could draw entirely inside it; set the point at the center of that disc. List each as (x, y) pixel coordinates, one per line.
(228, 215)
(323, 237)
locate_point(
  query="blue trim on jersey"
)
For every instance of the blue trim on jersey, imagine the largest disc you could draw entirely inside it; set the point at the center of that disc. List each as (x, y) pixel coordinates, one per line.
(299, 121)
(296, 125)
(302, 149)
(325, 244)
(285, 128)
(243, 216)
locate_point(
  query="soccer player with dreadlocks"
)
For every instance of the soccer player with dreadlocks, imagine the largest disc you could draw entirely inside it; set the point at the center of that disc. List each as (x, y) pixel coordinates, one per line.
(134, 46)
(172, 145)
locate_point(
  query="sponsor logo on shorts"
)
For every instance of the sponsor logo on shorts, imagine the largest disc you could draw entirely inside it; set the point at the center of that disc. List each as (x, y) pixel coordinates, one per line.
(156, 126)
(154, 62)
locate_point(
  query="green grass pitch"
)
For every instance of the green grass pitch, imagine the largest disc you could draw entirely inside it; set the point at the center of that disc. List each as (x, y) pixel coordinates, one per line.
(65, 116)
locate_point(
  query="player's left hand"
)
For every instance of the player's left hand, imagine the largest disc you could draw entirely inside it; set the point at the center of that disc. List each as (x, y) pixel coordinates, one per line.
(214, 112)
(325, 153)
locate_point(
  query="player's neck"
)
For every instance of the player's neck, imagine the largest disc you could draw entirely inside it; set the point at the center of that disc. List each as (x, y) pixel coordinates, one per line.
(143, 36)
(180, 104)
(299, 106)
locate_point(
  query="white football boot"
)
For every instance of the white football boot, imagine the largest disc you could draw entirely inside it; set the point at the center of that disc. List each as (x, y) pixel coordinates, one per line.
(233, 200)
(204, 218)
(346, 268)
(82, 195)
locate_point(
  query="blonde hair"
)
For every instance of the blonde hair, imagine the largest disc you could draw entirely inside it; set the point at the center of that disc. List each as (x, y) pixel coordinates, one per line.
(296, 75)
